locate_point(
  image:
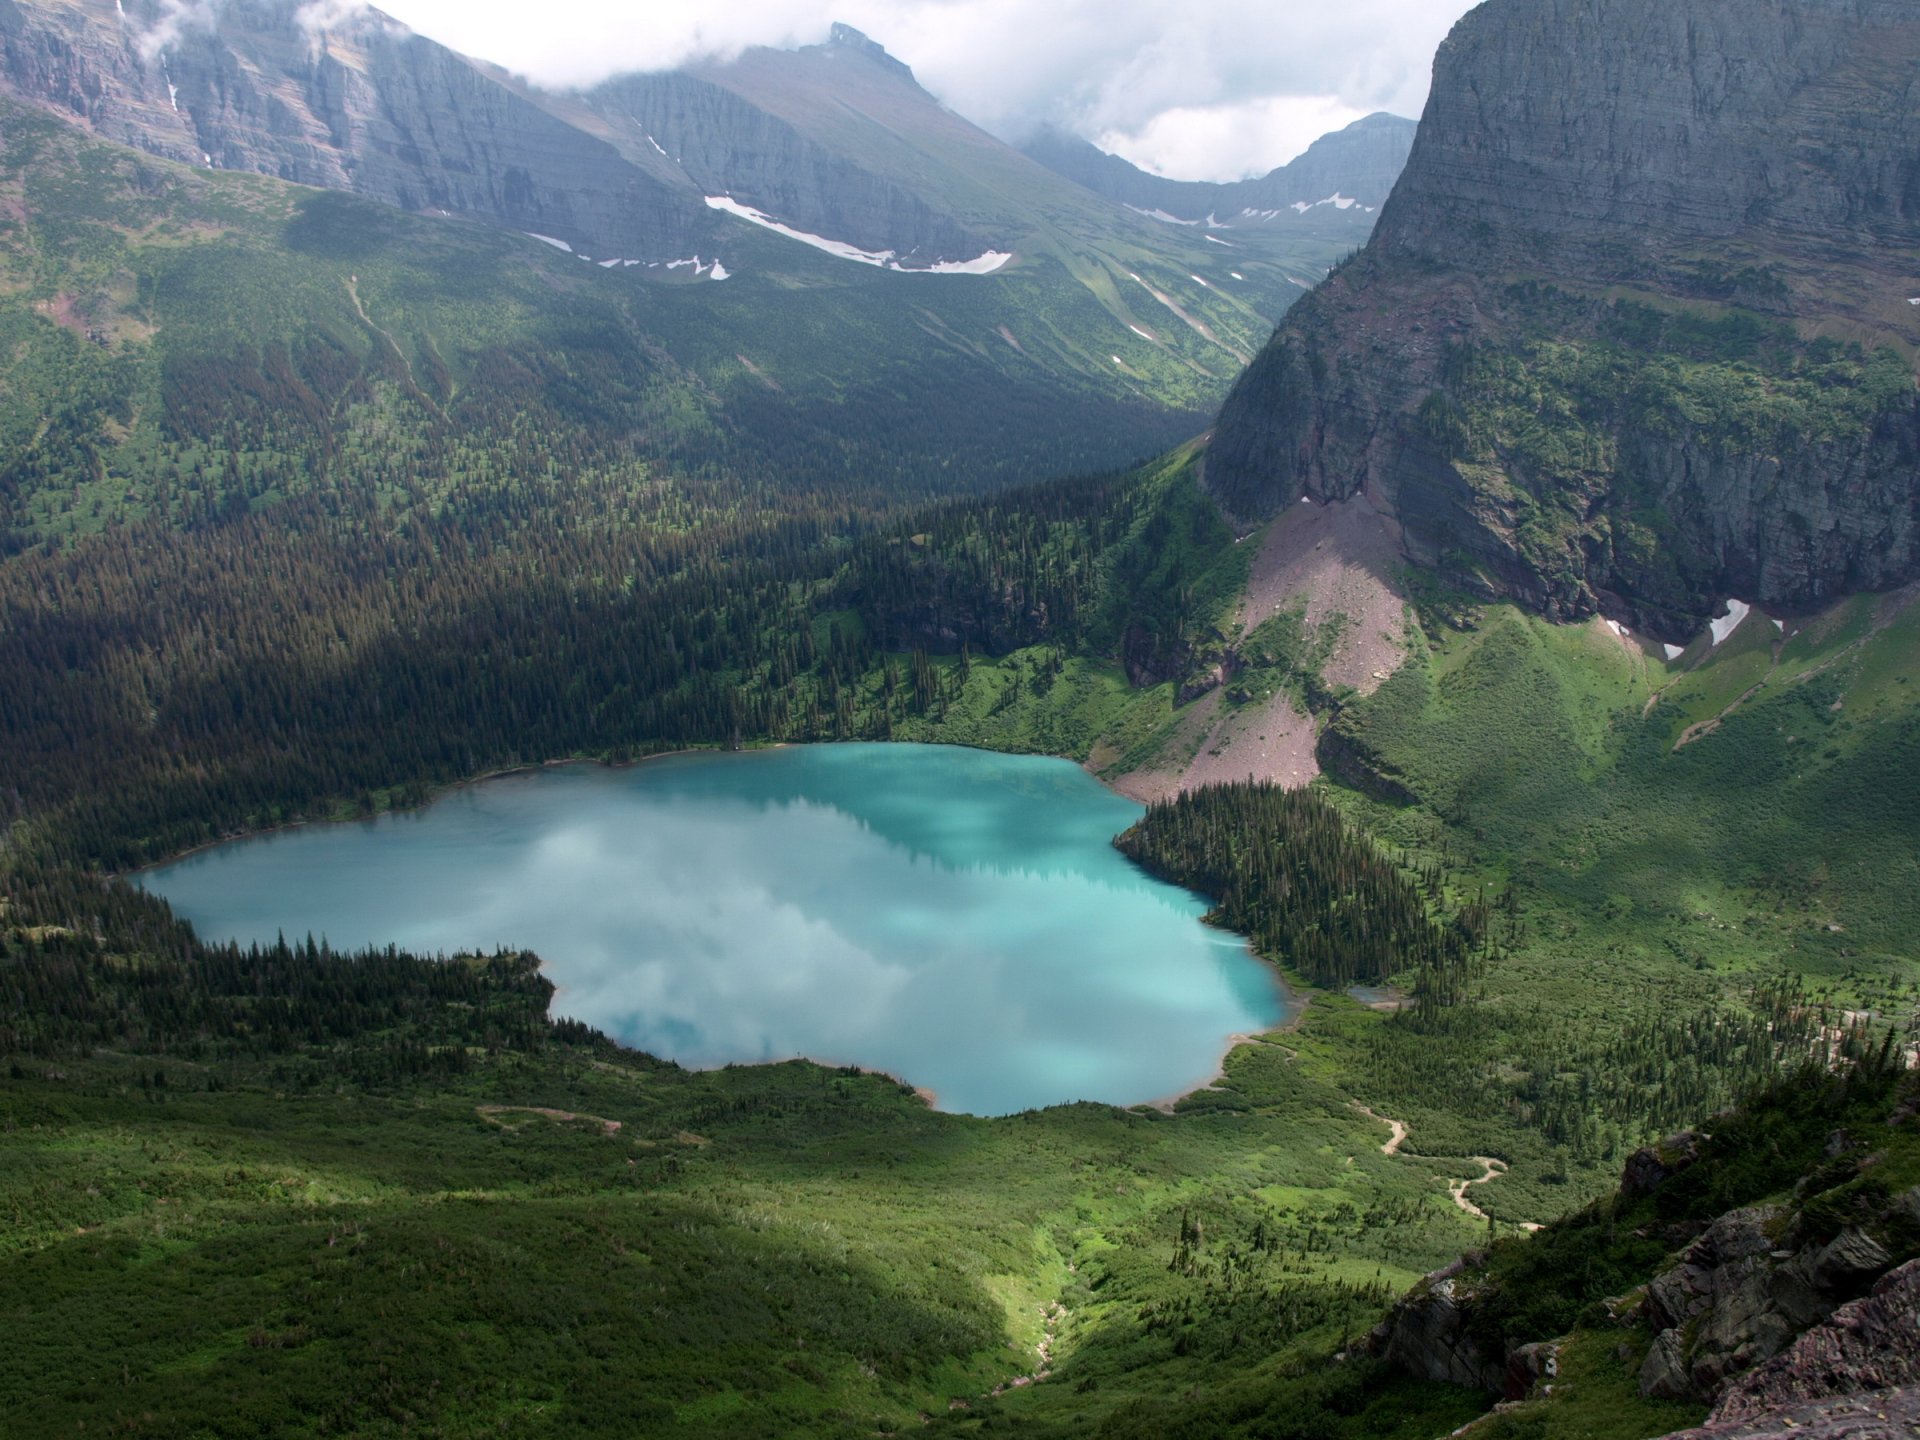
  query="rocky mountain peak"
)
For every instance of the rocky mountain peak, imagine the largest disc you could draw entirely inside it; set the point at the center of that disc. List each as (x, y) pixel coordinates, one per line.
(845, 37)
(1634, 333)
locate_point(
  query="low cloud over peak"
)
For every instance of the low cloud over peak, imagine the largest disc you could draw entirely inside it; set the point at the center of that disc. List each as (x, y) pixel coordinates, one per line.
(1195, 89)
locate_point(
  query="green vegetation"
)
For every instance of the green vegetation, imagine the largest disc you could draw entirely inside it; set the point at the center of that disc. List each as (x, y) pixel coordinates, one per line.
(1293, 876)
(312, 509)
(370, 1194)
(1556, 427)
(182, 345)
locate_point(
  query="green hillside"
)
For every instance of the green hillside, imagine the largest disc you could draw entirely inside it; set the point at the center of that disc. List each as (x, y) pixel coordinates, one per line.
(282, 1161)
(181, 342)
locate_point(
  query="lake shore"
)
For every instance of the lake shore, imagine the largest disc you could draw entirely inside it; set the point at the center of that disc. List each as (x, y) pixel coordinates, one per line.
(1291, 1005)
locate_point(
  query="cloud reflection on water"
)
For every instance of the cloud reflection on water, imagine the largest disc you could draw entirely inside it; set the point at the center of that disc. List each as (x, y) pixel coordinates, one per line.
(956, 918)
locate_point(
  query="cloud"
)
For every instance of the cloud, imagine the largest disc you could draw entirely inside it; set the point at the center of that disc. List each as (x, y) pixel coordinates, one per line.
(175, 19)
(1202, 89)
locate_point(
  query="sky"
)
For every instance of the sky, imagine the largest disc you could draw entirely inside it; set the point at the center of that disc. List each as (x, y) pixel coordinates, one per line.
(1194, 89)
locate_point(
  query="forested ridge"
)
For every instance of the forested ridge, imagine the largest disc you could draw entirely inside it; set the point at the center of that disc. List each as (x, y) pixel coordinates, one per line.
(176, 684)
(1290, 873)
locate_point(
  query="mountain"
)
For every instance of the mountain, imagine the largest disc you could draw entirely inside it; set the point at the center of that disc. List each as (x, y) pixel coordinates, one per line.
(832, 146)
(1350, 173)
(1636, 330)
(309, 200)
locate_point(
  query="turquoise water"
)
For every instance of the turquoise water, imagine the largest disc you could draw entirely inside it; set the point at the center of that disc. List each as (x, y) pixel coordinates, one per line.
(956, 918)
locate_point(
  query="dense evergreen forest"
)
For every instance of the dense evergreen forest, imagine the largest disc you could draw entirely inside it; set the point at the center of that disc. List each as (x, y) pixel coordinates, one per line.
(1291, 874)
(176, 684)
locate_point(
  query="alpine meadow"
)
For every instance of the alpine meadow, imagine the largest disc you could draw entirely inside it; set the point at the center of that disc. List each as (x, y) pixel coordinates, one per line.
(1475, 565)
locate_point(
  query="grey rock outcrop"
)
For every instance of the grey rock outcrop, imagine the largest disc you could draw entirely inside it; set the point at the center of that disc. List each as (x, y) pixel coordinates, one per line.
(1706, 153)
(1745, 1300)
(364, 105)
(1650, 1167)
(1429, 1335)
(623, 171)
(1871, 1345)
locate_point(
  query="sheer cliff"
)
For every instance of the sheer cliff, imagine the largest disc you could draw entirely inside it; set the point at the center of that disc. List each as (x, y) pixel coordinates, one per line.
(1636, 330)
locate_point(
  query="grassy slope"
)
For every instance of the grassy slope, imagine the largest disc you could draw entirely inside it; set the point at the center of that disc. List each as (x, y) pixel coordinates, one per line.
(813, 1247)
(916, 1254)
(141, 303)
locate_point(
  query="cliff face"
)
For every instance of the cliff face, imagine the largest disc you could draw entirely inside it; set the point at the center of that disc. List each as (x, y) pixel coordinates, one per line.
(1634, 330)
(728, 145)
(364, 105)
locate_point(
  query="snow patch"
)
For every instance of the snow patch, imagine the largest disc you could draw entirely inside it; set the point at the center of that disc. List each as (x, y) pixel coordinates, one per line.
(1619, 629)
(719, 272)
(1336, 200)
(1915, 300)
(1198, 281)
(1674, 652)
(883, 259)
(1162, 216)
(1141, 333)
(658, 146)
(983, 265)
(1117, 360)
(549, 240)
(206, 159)
(1737, 611)
(611, 264)
(1781, 626)
(1216, 240)
(1237, 275)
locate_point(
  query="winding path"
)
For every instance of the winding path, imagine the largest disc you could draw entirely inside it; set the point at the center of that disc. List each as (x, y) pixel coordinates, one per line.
(1493, 1168)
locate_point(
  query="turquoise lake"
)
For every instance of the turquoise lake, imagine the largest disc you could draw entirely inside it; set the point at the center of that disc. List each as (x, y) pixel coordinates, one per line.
(956, 918)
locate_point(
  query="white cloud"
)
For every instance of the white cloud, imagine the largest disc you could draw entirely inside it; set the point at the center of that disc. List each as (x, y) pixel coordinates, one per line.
(1230, 142)
(1198, 88)
(176, 18)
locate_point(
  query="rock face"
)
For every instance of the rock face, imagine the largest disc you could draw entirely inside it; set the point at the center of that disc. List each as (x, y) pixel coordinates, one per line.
(811, 137)
(1535, 364)
(1870, 1345)
(363, 105)
(1430, 1334)
(1358, 164)
(1753, 1298)
(1891, 1416)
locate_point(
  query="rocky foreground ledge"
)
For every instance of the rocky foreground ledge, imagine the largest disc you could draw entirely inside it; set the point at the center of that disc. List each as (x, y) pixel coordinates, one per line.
(1796, 1311)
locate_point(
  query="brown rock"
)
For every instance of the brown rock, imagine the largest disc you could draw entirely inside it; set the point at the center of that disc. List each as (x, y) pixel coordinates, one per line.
(1891, 1416)
(1870, 1345)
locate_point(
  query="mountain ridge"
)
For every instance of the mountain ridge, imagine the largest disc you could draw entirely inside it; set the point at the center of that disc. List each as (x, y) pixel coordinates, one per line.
(1575, 390)
(1357, 164)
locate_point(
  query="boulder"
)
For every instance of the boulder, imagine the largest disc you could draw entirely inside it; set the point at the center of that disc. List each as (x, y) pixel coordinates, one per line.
(1870, 1345)
(1650, 1168)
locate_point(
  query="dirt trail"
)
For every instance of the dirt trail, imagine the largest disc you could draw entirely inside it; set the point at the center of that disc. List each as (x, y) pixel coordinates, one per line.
(1492, 1169)
(565, 1117)
(1398, 1127)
